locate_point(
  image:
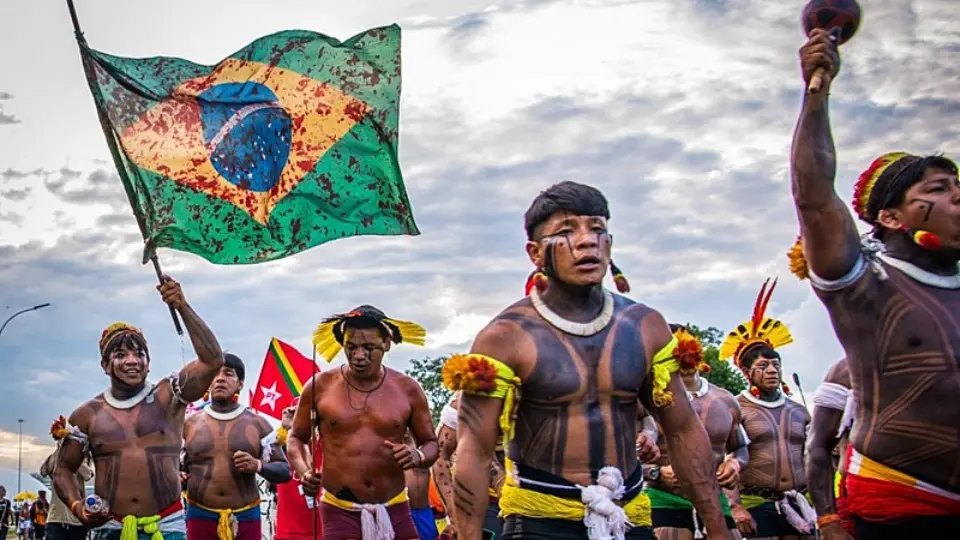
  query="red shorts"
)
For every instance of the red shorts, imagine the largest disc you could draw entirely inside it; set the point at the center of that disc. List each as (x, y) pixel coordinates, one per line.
(340, 524)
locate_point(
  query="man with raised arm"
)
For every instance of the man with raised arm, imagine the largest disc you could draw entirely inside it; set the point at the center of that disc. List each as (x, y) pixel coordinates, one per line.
(134, 430)
(894, 300)
(363, 411)
(226, 445)
(560, 373)
(672, 512)
(830, 426)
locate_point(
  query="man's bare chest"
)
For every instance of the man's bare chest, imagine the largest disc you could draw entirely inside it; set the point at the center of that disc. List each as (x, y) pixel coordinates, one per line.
(208, 438)
(346, 410)
(716, 415)
(781, 427)
(147, 425)
(567, 368)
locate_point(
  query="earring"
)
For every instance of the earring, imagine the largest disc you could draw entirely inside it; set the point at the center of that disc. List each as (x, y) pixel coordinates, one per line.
(924, 239)
(537, 279)
(206, 396)
(236, 397)
(786, 389)
(754, 391)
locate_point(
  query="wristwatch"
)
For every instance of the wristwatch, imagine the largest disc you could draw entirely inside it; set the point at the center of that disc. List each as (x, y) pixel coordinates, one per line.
(652, 473)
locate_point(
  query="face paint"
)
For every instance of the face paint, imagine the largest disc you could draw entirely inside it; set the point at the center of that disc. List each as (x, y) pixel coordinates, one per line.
(930, 205)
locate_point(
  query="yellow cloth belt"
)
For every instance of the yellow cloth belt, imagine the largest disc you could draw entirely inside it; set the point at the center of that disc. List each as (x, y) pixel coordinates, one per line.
(665, 364)
(515, 500)
(350, 506)
(132, 524)
(753, 501)
(224, 523)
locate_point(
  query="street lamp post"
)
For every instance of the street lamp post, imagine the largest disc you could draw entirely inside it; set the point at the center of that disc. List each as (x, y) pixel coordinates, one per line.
(22, 311)
(20, 457)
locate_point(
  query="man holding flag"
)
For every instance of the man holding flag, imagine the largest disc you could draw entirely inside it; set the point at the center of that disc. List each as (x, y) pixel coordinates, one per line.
(134, 431)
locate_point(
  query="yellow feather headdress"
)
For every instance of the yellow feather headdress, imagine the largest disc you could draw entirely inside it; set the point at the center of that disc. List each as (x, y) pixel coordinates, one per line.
(329, 335)
(759, 330)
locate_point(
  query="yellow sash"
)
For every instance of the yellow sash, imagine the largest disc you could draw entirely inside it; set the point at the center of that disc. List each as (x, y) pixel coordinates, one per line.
(515, 500)
(350, 506)
(224, 523)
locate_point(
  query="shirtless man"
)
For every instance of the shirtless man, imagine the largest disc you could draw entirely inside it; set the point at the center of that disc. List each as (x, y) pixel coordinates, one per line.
(226, 446)
(581, 357)
(134, 430)
(443, 472)
(772, 503)
(895, 304)
(829, 431)
(363, 410)
(673, 515)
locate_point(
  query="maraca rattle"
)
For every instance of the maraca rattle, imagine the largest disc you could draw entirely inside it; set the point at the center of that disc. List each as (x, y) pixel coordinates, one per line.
(840, 17)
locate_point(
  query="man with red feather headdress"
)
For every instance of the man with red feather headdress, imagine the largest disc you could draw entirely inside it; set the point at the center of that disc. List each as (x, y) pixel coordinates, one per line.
(773, 484)
(894, 299)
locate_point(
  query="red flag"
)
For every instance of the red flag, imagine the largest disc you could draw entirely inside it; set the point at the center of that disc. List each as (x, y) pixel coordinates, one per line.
(282, 377)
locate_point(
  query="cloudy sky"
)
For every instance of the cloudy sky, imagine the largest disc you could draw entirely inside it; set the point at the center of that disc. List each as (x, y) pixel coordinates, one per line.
(681, 111)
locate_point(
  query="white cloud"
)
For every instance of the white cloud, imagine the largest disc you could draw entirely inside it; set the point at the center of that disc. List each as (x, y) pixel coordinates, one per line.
(680, 110)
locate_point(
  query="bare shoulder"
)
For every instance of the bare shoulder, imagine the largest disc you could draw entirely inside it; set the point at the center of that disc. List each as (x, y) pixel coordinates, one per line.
(839, 373)
(793, 406)
(192, 420)
(651, 324)
(724, 395)
(405, 382)
(505, 337)
(82, 416)
(262, 425)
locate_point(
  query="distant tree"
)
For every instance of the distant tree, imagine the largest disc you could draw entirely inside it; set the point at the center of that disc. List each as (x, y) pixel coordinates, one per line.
(427, 372)
(722, 373)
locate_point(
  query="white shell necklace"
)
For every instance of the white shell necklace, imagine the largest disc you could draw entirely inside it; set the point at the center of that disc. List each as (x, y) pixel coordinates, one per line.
(224, 416)
(781, 399)
(131, 401)
(700, 392)
(921, 275)
(575, 328)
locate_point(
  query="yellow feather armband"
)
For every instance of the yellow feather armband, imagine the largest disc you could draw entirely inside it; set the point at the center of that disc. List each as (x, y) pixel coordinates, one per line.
(665, 364)
(282, 434)
(482, 375)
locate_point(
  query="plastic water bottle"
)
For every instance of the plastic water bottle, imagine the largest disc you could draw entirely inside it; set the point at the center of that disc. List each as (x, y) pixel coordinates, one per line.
(93, 504)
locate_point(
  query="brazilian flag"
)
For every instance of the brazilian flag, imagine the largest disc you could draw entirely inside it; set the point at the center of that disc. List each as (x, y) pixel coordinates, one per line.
(286, 144)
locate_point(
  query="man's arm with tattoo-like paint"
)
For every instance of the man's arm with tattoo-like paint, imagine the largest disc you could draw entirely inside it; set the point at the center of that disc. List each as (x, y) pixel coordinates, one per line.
(195, 377)
(831, 243)
(821, 441)
(478, 429)
(688, 445)
(442, 470)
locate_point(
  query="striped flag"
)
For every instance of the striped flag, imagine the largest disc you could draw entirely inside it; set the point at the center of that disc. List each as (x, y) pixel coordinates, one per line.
(281, 381)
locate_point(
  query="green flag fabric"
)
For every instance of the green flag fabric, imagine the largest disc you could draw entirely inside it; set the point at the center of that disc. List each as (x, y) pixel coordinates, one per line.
(286, 144)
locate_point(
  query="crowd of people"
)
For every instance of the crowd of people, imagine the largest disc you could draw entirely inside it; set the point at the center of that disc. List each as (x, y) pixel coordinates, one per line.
(577, 412)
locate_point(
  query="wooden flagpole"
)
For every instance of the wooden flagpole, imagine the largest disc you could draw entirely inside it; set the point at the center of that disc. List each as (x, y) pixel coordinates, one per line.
(114, 151)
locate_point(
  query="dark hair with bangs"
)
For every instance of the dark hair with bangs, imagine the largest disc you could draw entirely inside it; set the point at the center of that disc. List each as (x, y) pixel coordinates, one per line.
(893, 184)
(567, 196)
(755, 352)
(131, 341)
